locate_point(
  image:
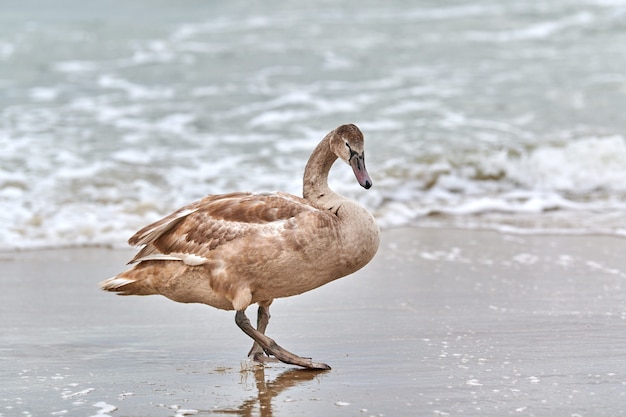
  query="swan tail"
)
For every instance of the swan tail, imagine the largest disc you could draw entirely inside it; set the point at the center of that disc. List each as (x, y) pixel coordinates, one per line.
(142, 279)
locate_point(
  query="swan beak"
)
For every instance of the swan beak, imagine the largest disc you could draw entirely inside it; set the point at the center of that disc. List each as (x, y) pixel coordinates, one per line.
(357, 162)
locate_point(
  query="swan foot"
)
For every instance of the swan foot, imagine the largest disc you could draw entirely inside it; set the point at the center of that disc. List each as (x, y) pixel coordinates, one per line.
(261, 357)
(267, 346)
(257, 354)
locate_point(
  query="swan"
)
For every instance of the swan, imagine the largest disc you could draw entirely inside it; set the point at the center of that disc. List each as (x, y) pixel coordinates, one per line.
(233, 250)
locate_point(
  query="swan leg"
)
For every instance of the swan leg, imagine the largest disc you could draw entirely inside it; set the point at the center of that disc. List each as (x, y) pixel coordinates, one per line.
(257, 353)
(271, 347)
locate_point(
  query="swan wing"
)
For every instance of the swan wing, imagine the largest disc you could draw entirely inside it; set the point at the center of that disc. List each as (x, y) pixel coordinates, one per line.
(192, 232)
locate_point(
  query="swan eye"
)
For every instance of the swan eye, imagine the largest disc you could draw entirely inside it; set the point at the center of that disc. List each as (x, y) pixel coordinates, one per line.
(352, 153)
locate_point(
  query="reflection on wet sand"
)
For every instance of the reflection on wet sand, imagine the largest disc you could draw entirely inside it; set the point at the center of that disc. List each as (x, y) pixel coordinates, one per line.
(458, 322)
(267, 390)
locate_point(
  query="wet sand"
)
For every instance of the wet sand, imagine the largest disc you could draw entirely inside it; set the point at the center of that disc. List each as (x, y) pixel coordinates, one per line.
(442, 322)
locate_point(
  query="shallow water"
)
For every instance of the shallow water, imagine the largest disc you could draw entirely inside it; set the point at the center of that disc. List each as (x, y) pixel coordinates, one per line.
(492, 114)
(440, 323)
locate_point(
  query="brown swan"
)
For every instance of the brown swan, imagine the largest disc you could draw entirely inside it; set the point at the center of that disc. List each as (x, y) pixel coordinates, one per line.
(233, 250)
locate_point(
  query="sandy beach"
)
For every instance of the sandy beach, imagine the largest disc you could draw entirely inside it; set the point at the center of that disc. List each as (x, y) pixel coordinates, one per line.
(442, 322)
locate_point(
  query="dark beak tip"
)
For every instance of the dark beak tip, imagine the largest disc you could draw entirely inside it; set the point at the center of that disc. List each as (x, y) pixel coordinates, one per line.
(367, 185)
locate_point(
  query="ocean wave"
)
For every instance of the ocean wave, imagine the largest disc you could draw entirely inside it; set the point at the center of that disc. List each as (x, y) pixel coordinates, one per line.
(463, 129)
(94, 203)
(578, 179)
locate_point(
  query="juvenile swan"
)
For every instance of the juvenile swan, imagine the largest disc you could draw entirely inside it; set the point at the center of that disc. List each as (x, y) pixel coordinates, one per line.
(233, 250)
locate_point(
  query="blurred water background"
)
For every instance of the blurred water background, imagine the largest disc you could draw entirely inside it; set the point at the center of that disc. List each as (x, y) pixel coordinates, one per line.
(483, 114)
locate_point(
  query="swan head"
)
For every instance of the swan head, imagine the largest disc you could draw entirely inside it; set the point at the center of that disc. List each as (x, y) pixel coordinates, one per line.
(347, 144)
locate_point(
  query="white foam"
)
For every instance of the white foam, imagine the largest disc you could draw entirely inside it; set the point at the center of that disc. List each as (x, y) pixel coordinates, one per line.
(134, 91)
(132, 156)
(68, 394)
(44, 93)
(75, 66)
(104, 409)
(186, 412)
(578, 166)
(278, 116)
(590, 165)
(536, 31)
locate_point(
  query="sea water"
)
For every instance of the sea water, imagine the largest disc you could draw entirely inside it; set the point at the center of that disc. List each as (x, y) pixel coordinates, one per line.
(484, 114)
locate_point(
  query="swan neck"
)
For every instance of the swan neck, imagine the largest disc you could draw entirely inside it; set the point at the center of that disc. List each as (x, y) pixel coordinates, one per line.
(315, 183)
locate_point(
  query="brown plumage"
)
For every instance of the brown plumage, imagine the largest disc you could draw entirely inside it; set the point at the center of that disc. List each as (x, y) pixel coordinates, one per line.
(233, 250)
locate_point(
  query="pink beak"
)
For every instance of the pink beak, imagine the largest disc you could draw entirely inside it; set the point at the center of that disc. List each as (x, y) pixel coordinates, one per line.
(357, 162)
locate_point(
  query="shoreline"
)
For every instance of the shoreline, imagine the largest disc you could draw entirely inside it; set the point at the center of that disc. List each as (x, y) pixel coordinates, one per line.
(408, 228)
(441, 322)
